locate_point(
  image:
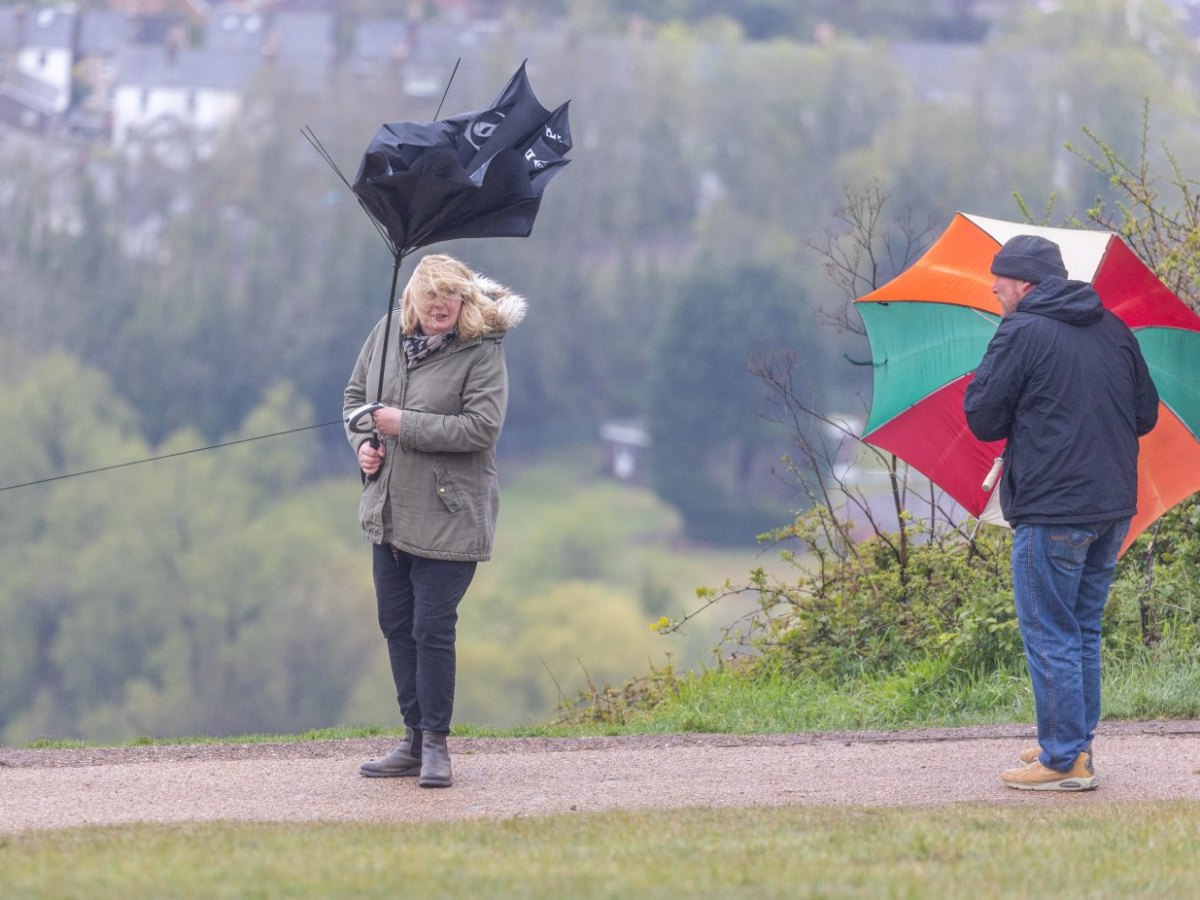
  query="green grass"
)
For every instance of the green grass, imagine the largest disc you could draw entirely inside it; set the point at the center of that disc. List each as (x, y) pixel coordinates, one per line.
(1154, 685)
(1077, 849)
(724, 702)
(1163, 684)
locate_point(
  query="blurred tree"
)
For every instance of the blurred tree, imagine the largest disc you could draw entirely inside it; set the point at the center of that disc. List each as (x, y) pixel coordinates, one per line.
(570, 543)
(195, 294)
(557, 640)
(202, 594)
(56, 417)
(1092, 64)
(703, 406)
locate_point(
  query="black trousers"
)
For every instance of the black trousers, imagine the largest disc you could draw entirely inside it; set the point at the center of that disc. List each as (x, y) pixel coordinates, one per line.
(418, 613)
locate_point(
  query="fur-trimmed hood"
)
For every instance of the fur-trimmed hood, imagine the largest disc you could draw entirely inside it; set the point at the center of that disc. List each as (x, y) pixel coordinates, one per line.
(507, 308)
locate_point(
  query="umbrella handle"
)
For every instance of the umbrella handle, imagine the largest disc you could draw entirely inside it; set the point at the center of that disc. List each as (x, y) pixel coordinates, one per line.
(374, 443)
(993, 474)
(355, 422)
(360, 422)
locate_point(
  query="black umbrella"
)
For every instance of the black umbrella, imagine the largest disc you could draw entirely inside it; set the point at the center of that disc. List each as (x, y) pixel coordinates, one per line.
(477, 174)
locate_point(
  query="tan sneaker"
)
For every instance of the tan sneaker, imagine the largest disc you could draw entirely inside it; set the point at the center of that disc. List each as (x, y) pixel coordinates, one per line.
(1036, 777)
(1029, 755)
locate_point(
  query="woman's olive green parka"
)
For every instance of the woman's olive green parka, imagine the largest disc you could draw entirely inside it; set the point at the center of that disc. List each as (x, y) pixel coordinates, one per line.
(437, 494)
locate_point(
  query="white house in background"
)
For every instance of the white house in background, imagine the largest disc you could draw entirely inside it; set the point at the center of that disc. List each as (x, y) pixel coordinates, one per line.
(26, 103)
(102, 35)
(43, 49)
(626, 445)
(231, 29)
(169, 94)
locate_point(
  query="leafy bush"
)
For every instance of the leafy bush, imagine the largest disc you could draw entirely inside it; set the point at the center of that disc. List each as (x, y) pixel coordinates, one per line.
(1155, 597)
(854, 611)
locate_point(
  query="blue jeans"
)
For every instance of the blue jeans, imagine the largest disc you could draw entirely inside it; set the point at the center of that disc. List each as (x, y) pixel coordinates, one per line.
(418, 614)
(1061, 577)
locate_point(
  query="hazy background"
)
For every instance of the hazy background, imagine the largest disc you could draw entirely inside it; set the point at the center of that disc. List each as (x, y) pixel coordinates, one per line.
(177, 292)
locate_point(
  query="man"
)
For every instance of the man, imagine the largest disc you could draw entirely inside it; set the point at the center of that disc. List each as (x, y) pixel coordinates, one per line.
(1062, 381)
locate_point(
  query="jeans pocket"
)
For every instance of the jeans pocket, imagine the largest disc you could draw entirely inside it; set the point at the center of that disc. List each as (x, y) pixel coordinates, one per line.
(1069, 546)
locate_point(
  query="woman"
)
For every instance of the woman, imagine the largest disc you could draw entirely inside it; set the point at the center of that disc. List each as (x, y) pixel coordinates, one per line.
(430, 496)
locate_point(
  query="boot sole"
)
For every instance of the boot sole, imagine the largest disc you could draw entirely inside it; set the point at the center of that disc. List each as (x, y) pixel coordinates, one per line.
(432, 783)
(1067, 784)
(404, 773)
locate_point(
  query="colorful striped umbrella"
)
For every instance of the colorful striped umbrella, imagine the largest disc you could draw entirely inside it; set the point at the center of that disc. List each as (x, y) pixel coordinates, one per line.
(929, 327)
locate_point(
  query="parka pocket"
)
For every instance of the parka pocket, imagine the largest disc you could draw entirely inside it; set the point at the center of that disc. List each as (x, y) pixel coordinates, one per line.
(446, 489)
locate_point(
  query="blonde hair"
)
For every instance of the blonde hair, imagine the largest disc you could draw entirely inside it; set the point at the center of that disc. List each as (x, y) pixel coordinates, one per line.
(445, 273)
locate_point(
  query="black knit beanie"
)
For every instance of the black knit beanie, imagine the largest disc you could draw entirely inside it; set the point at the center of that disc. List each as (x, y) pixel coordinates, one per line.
(1028, 257)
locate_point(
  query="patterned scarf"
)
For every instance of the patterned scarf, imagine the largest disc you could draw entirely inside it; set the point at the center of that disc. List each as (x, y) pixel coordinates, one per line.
(420, 346)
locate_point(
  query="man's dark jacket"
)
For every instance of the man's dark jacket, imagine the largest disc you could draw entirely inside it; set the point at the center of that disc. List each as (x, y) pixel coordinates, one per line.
(1064, 382)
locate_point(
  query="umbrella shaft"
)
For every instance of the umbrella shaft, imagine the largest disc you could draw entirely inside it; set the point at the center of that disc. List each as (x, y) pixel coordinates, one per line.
(387, 327)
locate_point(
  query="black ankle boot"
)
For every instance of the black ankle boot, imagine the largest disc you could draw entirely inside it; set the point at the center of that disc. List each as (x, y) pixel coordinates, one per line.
(404, 760)
(435, 761)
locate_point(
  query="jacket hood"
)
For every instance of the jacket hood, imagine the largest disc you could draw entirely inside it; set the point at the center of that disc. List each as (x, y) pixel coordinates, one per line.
(507, 308)
(1072, 302)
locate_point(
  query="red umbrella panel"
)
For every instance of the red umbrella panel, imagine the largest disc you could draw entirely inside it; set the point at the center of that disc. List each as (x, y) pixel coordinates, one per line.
(929, 328)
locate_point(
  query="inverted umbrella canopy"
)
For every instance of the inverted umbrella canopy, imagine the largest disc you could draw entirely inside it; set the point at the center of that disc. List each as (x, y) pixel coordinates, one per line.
(476, 174)
(929, 328)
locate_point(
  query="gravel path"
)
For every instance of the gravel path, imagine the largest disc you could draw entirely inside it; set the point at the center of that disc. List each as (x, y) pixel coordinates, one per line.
(44, 789)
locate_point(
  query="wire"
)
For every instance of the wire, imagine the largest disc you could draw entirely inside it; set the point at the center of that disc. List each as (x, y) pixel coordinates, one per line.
(138, 462)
